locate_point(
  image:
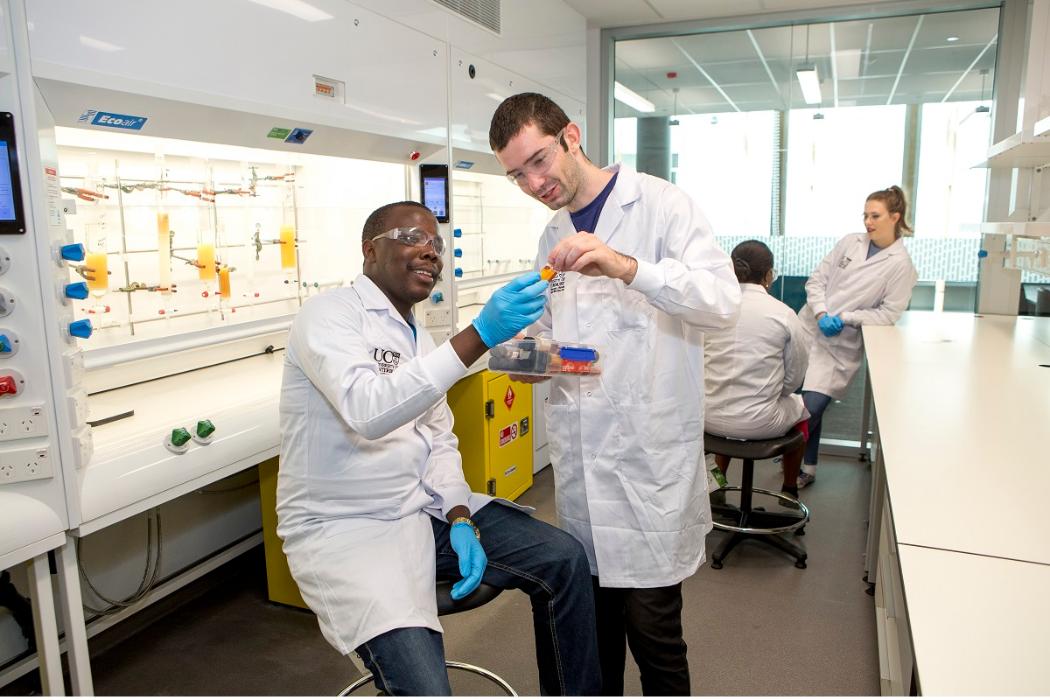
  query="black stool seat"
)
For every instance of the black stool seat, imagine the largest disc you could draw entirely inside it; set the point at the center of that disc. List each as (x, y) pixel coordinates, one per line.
(757, 523)
(484, 593)
(753, 449)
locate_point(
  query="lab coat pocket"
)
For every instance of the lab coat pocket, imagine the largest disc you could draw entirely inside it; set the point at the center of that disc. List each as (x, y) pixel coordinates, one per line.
(656, 456)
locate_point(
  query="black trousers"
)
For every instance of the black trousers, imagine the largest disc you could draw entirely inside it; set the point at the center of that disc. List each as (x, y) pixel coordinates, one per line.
(649, 620)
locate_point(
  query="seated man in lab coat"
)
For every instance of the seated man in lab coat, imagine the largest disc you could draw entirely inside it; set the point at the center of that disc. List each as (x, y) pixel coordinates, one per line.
(371, 501)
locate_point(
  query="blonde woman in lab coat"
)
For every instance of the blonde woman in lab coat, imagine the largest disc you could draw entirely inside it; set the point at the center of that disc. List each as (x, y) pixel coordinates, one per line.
(752, 371)
(866, 279)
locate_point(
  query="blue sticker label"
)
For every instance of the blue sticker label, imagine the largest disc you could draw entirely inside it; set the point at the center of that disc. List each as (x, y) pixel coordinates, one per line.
(113, 121)
(464, 164)
(299, 135)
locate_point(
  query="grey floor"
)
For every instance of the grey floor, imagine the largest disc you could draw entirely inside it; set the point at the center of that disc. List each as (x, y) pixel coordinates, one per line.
(759, 626)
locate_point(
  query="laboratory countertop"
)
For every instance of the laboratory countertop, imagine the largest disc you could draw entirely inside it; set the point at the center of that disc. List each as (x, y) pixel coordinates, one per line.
(132, 470)
(979, 625)
(963, 403)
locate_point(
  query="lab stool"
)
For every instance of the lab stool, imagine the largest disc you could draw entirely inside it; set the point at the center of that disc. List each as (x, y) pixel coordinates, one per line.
(757, 523)
(447, 606)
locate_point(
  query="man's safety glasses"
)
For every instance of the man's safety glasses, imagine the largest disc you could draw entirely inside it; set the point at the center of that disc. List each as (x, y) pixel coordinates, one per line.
(413, 236)
(539, 164)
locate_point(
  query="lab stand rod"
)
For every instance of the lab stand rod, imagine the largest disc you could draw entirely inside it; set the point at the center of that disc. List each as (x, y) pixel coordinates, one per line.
(124, 250)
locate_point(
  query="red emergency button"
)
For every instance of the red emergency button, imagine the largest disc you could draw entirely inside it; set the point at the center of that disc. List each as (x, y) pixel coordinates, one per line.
(8, 385)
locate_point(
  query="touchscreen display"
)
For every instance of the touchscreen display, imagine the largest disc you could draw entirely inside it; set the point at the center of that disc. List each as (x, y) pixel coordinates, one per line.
(434, 196)
(7, 195)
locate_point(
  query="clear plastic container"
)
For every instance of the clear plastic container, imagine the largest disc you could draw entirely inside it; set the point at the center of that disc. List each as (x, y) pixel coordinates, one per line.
(545, 358)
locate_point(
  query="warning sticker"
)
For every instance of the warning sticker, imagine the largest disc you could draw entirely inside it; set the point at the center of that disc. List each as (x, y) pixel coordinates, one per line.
(508, 434)
(508, 398)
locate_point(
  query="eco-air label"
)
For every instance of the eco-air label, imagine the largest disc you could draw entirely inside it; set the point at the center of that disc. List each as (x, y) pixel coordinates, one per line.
(278, 132)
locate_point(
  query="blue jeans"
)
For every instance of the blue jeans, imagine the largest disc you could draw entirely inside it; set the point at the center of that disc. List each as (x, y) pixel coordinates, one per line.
(548, 565)
(816, 403)
(387, 657)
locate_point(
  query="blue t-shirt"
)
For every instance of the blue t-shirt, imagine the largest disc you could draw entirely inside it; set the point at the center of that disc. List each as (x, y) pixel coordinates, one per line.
(872, 249)
(586, 219)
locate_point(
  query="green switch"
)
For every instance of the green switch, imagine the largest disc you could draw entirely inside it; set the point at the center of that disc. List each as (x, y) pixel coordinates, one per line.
(205, 428)
(179, 437)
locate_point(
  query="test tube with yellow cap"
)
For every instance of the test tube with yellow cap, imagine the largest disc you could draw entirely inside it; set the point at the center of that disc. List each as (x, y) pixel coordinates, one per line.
(206, 261)
(287, 246)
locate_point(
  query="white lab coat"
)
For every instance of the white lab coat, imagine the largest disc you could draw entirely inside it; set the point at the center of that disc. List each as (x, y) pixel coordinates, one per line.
(752, 370)
(627, 445)
(367, 457)
(861, 291)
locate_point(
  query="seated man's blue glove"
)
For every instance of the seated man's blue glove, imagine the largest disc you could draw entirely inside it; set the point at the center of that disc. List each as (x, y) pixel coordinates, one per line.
(472, 559)
(514, 307)
(830, 325)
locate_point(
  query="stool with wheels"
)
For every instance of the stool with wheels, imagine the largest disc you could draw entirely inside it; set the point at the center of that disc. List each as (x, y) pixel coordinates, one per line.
(447, 606)
(757, 523)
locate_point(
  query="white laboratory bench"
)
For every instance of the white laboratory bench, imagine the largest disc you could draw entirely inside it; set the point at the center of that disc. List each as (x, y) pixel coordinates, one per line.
(958, 550)
(132, 471)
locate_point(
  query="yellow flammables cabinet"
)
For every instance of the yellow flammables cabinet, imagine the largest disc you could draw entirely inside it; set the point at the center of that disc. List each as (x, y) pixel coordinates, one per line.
(493, 421)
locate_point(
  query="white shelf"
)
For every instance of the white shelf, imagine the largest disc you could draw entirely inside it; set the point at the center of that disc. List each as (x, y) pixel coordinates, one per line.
(1026, 149)
(1026, 229)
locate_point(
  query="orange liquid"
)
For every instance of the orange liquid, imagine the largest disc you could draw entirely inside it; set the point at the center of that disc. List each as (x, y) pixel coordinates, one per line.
(97, 271)
(206, 261)
(287, 247)
(164, 252)
(224, 282)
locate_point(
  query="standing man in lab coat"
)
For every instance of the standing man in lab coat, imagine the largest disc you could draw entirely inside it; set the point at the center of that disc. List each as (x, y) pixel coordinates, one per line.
(641, 278)
(371, 500)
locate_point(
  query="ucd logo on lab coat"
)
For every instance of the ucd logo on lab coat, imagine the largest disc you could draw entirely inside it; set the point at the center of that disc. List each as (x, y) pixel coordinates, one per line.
(386, 359)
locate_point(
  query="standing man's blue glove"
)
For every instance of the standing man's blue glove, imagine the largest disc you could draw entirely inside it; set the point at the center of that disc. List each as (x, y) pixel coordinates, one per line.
(472, 559)
(830, 325)
(514, 307)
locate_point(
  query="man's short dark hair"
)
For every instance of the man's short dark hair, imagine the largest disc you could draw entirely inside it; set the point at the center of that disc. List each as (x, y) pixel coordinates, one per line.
(518, 111)
(378, 221)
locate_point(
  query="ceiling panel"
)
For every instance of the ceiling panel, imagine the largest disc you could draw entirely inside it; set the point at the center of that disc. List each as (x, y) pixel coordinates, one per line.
(869, 57)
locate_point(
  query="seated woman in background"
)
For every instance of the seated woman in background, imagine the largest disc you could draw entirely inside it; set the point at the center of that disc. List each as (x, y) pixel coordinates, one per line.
(751, 371)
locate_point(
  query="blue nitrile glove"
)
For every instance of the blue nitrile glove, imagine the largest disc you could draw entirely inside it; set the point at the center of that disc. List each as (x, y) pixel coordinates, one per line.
(830, 325)
(472, 559)
(513, 307)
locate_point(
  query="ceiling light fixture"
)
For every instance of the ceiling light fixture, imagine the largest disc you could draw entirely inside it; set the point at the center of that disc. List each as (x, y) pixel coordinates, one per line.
(296, 8)
(632, 99)
(807, 78)
(810, 84)
(952, 39)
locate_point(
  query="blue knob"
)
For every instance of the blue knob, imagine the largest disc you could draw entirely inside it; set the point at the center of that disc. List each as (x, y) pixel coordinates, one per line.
(459, 271)
(437, 297)
(81, 328)
(982, 253)
(77, 290)
(73, 251)
(457, 233)
(457, 252)
(5, 343)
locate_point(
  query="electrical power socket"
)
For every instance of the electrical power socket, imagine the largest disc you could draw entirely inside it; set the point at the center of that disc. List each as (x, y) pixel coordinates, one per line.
(434, 318)
(25, 465)
(20, 422)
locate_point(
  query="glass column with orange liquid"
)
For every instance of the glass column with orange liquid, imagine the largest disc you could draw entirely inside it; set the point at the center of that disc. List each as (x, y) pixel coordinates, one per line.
(96, 272)
(164, 252)
(287, 247)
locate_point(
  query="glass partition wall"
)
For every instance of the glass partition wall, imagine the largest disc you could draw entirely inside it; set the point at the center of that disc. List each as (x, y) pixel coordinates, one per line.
(781, 132)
